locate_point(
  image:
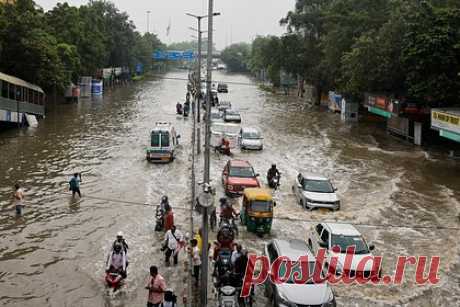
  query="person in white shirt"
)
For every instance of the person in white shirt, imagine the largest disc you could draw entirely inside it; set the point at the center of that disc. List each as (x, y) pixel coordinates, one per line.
(18, 197)
(116, 262)
(172, 244)
(236, 253)
(196, 260)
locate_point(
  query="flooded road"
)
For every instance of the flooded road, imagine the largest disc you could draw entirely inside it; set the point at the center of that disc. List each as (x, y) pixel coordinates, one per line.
(55, 254)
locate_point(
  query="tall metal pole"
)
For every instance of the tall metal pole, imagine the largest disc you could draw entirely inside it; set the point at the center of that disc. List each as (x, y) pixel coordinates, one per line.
(148, 21)
(204, 275)
(198, 105)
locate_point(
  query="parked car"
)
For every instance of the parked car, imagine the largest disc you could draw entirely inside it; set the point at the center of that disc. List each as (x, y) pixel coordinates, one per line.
(328, 235)
(315, 191)
(250, 138)
(232, 116)
(291, 293)
(222, 88)
(238, 175)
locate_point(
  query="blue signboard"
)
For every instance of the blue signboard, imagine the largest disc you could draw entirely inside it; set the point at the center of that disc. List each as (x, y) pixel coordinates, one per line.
(139, 68)
(172, 55)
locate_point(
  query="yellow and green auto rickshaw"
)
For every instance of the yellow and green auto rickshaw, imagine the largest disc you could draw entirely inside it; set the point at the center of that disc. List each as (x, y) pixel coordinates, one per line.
(257, 210)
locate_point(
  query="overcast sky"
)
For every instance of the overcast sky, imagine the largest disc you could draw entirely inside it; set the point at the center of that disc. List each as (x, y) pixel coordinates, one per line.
(241, 20)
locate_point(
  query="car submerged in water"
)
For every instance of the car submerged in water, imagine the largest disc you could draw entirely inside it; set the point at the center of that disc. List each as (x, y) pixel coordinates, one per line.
(238, 175)
(250, 138)
(315, 191)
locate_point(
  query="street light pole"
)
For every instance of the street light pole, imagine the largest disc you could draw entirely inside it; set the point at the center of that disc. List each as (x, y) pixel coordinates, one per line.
(148, 21)
(204, 275)
(198, 105)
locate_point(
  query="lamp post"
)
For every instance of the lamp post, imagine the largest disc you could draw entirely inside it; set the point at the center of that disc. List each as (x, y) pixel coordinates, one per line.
(148, 21)
(207, 186)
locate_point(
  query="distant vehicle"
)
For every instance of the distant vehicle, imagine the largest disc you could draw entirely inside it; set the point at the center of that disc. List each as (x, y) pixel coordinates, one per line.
(250, 138)
(238, 175)
(232, 116)
(328, 235)
(163, 143)
(315, 191)
(224, 105)
(216, 116)
(291, 293)
(222, 88)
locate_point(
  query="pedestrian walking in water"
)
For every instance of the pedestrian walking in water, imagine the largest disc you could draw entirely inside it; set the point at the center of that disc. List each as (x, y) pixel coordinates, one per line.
(18, 197)
(156, 287)
(74, 184)
(172, 244)
(196, 260)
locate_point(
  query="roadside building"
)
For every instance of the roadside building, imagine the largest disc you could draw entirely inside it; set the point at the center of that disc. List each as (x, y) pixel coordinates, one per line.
(447, 122)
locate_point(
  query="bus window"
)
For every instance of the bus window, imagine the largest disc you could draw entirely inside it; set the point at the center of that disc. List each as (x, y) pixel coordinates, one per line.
(165, 139)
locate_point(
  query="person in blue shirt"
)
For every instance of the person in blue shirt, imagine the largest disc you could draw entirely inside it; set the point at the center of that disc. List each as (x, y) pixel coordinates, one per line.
(74, 184)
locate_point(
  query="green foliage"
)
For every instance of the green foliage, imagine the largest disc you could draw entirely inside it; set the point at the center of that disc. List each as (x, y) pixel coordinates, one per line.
(53, 48)
(405, 48)
(236, 57)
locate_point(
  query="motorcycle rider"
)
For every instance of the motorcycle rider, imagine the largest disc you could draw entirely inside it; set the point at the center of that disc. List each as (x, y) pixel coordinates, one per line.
(225, 147)
(272, 173)
(179, 108)
(116, 262)
(227, 211)
(121, 240)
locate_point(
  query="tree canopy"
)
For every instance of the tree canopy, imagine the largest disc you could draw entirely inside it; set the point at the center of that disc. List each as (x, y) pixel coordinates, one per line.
(55, 47)
(406, 48)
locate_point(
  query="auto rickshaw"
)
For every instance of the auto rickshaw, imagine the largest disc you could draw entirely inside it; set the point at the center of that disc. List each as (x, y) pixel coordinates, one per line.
(257, 210)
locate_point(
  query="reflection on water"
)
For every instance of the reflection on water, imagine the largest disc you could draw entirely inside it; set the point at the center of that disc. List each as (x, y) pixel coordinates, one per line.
(54, 255)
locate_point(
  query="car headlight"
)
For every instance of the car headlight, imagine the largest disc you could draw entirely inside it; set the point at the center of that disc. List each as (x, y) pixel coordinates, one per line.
(330, 303)
(230, 187)
(283, 301)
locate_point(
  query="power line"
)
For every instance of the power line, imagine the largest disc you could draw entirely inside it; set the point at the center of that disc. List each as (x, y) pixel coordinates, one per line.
(133, 203)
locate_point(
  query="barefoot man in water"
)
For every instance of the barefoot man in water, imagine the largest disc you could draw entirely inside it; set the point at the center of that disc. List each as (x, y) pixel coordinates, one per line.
(18, 197)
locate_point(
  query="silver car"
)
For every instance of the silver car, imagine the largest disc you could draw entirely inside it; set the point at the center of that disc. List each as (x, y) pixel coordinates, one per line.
(291, 293)
(315, 191)
(250, 138)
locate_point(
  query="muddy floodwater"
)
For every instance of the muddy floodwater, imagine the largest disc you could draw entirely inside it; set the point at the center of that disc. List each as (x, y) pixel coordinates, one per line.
(55, 254)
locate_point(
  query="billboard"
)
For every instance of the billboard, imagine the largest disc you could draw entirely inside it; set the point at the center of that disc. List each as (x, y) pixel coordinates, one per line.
(172, 55)
(444, 119)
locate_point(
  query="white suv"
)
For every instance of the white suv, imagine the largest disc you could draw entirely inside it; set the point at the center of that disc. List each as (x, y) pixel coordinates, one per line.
(290, 294)
(315, 191)
(328, 235)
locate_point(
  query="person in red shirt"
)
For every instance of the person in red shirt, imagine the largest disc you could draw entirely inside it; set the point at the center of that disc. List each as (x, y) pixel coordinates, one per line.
(169, 219)
(156, 287)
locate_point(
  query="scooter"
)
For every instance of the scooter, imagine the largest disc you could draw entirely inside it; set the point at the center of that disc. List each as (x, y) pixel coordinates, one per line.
(114, 280)
(274, 182)
(227, 297)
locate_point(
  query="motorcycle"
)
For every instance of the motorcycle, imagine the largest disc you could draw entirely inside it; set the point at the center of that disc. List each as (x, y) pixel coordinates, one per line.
(227, 297)
(222, 150)
(229, 222)
(114, 280)
(274, 182)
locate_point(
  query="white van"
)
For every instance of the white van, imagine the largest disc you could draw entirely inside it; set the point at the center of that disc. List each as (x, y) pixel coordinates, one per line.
(163, 143)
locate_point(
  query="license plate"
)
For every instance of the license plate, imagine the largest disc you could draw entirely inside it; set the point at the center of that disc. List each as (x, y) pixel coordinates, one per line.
(324, 210)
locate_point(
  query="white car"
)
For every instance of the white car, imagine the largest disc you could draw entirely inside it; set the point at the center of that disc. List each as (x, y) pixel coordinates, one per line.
(290, 293)
(315, 191)
(250, 138)
(329, 235)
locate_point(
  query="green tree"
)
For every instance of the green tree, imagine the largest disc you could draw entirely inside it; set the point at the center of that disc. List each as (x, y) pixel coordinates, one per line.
(431, 53)
(236, 57)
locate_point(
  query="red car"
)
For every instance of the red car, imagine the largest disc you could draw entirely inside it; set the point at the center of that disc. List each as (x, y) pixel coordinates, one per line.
(238, 175)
